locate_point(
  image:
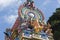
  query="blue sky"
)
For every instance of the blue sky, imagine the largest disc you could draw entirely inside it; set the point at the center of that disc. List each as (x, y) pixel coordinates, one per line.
(9, 11)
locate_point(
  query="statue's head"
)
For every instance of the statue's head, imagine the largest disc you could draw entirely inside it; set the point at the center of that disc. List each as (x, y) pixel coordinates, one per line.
(30, 1)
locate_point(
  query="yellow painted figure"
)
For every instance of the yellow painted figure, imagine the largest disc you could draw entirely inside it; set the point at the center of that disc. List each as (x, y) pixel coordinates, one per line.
(36, 26)
(14, 34)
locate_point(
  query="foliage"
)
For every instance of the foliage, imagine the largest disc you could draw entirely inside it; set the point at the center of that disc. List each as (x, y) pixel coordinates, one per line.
(54, 20)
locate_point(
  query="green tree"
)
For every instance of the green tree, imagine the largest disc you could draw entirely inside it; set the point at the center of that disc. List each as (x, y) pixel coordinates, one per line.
(54, 20)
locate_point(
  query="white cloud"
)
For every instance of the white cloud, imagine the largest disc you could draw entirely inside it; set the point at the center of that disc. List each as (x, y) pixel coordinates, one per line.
(5, 3)
(58, 1)
(10, 19)
(8, 2)
(46, 2)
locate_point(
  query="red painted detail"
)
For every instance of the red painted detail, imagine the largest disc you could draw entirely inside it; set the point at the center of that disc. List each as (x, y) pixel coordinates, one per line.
(19, 10)
(16, 24)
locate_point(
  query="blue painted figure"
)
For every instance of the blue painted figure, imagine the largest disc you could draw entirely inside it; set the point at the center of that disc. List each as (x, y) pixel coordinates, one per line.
(44, 35)
(27, 32)
(8, 33)
(16, 38)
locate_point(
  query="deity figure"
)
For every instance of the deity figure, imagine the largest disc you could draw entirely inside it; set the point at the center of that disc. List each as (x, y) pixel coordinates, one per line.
(30, 3)
(37, 26)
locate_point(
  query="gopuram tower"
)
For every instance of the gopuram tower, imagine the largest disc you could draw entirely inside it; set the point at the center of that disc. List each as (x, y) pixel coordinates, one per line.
(29, 25)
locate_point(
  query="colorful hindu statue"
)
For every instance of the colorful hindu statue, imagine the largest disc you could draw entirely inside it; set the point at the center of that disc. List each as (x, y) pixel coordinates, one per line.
(29, 24)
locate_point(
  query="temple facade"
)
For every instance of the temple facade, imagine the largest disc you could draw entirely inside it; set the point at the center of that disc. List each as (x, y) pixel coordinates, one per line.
(29, 25)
